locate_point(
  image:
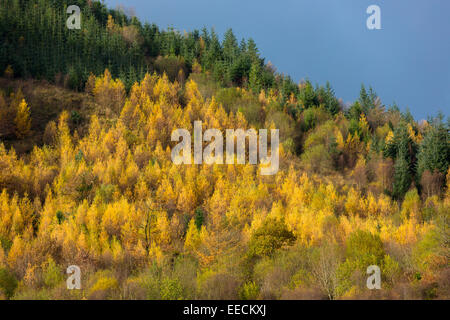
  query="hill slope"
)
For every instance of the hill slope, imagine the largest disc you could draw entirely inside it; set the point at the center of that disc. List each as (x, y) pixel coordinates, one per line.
(86, 176)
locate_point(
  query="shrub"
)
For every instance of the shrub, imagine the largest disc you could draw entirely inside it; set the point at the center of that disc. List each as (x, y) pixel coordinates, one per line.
(50, 133)
(219, 286)
(171, 66)
(249, 291)
(52, 273)
(271, 236)
(8, 282)
(105, 287)
(171, 289)
(365, 249)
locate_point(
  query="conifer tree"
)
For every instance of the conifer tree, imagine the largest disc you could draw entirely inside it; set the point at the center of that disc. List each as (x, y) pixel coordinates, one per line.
(402, 177)
(22, 120)
(230, 46)
(254, 82)
(434, 151)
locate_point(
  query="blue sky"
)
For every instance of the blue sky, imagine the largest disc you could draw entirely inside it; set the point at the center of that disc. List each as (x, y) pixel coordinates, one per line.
(408, 61)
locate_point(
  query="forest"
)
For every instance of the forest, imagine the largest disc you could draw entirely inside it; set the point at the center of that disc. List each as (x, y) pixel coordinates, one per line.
(86, 176)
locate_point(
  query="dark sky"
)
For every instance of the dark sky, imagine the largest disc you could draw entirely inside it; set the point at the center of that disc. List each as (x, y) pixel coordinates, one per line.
(407, 61)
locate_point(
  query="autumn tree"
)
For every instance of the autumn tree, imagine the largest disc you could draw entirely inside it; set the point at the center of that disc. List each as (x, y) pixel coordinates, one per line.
(22, 120)
(109, 93)
(271, 236)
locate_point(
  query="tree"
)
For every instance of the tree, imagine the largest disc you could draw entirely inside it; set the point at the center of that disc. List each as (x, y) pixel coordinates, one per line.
(364, 247)
(199, 218)
(6, 115)
(213, 51)
(431, 182)
(254, 82)
(325, 263)
(230, 46)
(52, 273)
(402, 177)
(401, 147)
(220, 239)
(22, 120)
(252, 50)
(193, 239)
(8, 282)
(307, 95)
(367, 99)
(433, 158)
(326, 96)
(271, 236)
(109, 93)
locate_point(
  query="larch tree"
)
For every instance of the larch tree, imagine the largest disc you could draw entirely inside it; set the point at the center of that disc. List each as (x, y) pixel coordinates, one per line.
(22, 120)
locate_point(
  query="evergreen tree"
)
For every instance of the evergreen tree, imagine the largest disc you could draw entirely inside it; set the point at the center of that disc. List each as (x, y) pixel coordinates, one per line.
(254, 81)
(434, 150)
(402, 177)
(326, 96)
(367, 99)
(230, 46)
(307, 95)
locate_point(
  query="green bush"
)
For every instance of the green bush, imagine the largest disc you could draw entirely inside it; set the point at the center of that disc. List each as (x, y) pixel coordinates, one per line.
(270, 236)
(365, 249)
(52, 274)
(171, 289)
(249, 291)
(8, 282)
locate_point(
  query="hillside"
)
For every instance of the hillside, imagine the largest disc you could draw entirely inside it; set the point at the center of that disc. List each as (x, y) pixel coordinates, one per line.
(87, 179)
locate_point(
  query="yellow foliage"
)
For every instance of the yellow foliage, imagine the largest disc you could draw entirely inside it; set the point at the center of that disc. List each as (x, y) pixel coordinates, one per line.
(193, 239)
(22, 119)
(112, 198)
(389, 136)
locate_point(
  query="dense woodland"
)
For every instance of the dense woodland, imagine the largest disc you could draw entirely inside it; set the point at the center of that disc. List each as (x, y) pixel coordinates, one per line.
(86, 176)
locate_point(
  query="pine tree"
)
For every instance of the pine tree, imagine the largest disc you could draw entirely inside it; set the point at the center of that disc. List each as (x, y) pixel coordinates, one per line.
(367, 99)
(434, 151)
(254, 81)
(252, 50)
(402, 177)
(214, 51)
(230, 46)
